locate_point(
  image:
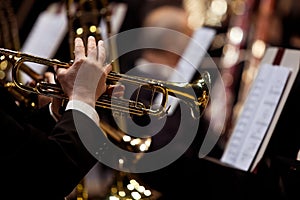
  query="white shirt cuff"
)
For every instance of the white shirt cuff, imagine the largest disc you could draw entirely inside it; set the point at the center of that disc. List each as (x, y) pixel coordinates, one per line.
(84, 108)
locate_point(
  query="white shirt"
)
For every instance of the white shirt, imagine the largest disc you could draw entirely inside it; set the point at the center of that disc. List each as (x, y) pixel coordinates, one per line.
(80, 106)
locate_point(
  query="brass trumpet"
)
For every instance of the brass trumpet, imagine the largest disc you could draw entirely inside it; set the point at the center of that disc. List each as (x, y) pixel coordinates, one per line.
(197, 102)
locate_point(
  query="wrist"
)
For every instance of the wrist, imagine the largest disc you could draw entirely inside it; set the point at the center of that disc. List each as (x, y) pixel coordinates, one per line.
(84, 108)
(86, 100)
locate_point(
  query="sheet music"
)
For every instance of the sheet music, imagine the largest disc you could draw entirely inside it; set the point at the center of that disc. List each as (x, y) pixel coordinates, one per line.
(256, 116)
(190, 61)
(45, 37)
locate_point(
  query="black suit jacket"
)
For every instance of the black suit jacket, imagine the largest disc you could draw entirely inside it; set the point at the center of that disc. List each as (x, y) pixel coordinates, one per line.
(41, 164)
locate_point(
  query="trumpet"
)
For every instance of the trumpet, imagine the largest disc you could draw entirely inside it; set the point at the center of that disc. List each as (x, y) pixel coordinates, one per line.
(197, 102)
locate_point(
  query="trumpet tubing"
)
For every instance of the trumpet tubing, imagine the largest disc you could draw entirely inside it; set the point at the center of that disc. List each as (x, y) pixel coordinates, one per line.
(197, 102)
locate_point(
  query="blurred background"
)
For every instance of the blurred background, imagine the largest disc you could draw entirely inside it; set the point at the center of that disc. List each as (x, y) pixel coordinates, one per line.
(244, 31)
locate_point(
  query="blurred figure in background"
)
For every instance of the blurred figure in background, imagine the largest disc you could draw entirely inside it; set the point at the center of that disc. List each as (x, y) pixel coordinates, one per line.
(170, 47)
(134, 18)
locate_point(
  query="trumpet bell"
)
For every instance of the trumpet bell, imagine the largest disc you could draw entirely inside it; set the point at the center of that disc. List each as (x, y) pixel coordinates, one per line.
(157, 97)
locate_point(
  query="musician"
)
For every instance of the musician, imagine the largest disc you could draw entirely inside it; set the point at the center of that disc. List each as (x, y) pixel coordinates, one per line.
(39, 164)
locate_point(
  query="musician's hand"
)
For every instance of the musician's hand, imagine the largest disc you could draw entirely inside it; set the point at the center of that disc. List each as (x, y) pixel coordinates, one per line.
(55, 102)
(42, 99)
(85, 80)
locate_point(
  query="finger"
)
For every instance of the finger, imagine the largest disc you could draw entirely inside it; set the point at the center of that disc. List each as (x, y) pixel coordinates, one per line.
(107, 68)
(107, 65)
(79, 49)
(60, 72)
(49, 77)
(92, 48)
(101, 51)
(116, 90)
(55, 67)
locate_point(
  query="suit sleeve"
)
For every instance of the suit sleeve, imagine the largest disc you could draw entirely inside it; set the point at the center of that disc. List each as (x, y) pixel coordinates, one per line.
(49, 165)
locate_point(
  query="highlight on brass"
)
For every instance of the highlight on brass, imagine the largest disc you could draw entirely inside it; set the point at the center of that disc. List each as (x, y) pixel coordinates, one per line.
(197, 102)
(23, 98)
(126, 187)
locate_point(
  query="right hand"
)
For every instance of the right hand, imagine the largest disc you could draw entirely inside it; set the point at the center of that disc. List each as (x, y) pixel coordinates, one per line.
(85, 80)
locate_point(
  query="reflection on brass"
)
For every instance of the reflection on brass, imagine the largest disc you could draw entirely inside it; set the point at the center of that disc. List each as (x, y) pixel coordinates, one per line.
(9, 38)
(124, 140)
(128, 187)
(23, 98)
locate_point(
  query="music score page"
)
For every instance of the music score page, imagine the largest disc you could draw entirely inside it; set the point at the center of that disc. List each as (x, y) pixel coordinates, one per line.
(256, 116)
